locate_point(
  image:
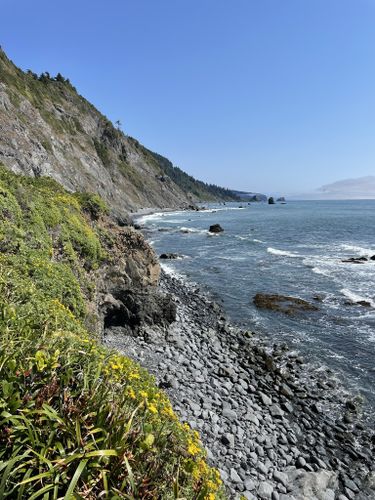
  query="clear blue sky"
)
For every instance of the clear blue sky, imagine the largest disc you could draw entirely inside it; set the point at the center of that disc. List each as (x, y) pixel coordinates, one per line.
(267, 95)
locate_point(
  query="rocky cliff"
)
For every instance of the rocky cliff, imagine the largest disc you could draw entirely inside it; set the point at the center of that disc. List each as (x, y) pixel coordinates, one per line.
(47, 128)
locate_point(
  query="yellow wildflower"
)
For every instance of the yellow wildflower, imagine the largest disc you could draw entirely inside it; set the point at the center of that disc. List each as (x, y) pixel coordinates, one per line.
(193, 448)
(152, 408)
(130, 392)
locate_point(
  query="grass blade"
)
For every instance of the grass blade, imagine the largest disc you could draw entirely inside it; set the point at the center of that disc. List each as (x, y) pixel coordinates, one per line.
(75, 479)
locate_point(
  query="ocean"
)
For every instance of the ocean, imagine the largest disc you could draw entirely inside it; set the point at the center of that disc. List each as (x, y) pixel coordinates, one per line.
(292, 249)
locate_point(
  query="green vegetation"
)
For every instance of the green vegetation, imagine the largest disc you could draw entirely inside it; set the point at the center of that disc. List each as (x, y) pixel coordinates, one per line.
(102, 151)
(44, 92)
(200, 190)
(76, 420)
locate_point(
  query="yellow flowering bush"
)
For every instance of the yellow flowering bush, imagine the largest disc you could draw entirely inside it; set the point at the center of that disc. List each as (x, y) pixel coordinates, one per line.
(76, 420)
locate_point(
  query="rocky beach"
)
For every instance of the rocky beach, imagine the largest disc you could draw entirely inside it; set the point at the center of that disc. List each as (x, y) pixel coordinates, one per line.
(275, 427)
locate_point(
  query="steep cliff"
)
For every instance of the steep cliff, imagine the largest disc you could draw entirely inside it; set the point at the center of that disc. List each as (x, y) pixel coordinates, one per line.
(47, 128)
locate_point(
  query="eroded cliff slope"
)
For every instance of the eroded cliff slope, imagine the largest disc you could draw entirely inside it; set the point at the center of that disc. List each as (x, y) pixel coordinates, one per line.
(47, 128)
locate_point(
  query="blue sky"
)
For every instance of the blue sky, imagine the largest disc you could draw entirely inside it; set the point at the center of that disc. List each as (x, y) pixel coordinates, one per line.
(263, 95)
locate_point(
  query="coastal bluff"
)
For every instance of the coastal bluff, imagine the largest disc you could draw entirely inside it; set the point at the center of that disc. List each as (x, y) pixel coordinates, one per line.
(118, 380)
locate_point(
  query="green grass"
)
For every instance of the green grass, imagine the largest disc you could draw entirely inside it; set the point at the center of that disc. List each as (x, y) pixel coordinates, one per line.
(76, 420)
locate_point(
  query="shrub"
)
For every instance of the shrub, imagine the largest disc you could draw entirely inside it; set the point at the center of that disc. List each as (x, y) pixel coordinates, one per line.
(76, 420)
(93, 204)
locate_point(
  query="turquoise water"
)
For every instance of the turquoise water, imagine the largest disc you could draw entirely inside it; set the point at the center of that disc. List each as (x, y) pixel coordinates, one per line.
(294, 249)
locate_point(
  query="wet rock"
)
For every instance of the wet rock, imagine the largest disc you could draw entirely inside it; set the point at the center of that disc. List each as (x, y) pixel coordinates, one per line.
(216, 228)
(364, 303)
(282, 303)
(171, 256)
(355, 260)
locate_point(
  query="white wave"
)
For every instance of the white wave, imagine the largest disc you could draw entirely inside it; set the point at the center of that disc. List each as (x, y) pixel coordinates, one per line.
(365, 252)
(149, 217)
(282, 253)
(248, 238)
(221, 209)
(192, 230)
(318, 270)
(354, 297)
(142, 219)
(174, 221)
(168, 269)
(334, 355)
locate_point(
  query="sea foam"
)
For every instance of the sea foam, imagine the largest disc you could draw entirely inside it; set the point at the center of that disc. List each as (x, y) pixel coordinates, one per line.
(282, 253)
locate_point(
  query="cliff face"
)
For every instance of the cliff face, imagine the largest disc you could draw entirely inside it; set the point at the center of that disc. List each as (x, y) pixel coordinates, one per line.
(47, 128)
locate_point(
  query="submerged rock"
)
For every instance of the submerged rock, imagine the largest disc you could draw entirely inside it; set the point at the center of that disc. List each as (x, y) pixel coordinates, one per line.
(283, 303)
(364, 303)
(356, 260)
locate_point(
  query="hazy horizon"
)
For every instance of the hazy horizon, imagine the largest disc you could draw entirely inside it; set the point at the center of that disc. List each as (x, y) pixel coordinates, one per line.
(265, 97)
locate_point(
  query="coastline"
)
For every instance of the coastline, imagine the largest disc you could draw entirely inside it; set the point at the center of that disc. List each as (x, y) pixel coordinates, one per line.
(274, 428)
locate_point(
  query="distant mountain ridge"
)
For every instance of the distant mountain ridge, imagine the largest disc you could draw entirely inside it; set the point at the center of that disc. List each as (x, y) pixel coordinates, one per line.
(249, 196)
(361, 187)
(47, 128)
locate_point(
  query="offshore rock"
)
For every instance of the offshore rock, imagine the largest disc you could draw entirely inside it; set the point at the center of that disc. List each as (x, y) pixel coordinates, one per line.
(216, 228)
(282, 303)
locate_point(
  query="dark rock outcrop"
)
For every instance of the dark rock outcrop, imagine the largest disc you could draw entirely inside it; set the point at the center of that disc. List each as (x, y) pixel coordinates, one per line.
(134, 310)
(356, 260)
(216, 228)
(170, 256)
(282, 303)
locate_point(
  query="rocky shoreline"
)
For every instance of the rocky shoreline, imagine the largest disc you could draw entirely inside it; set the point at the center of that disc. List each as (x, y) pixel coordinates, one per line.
(275, 428)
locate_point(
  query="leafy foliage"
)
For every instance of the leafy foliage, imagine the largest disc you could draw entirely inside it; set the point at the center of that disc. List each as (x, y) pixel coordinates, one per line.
(189, 184)
(76, 420)
(92, 204)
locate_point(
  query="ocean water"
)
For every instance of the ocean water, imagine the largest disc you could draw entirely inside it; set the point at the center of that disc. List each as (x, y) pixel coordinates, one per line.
(293, 249)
